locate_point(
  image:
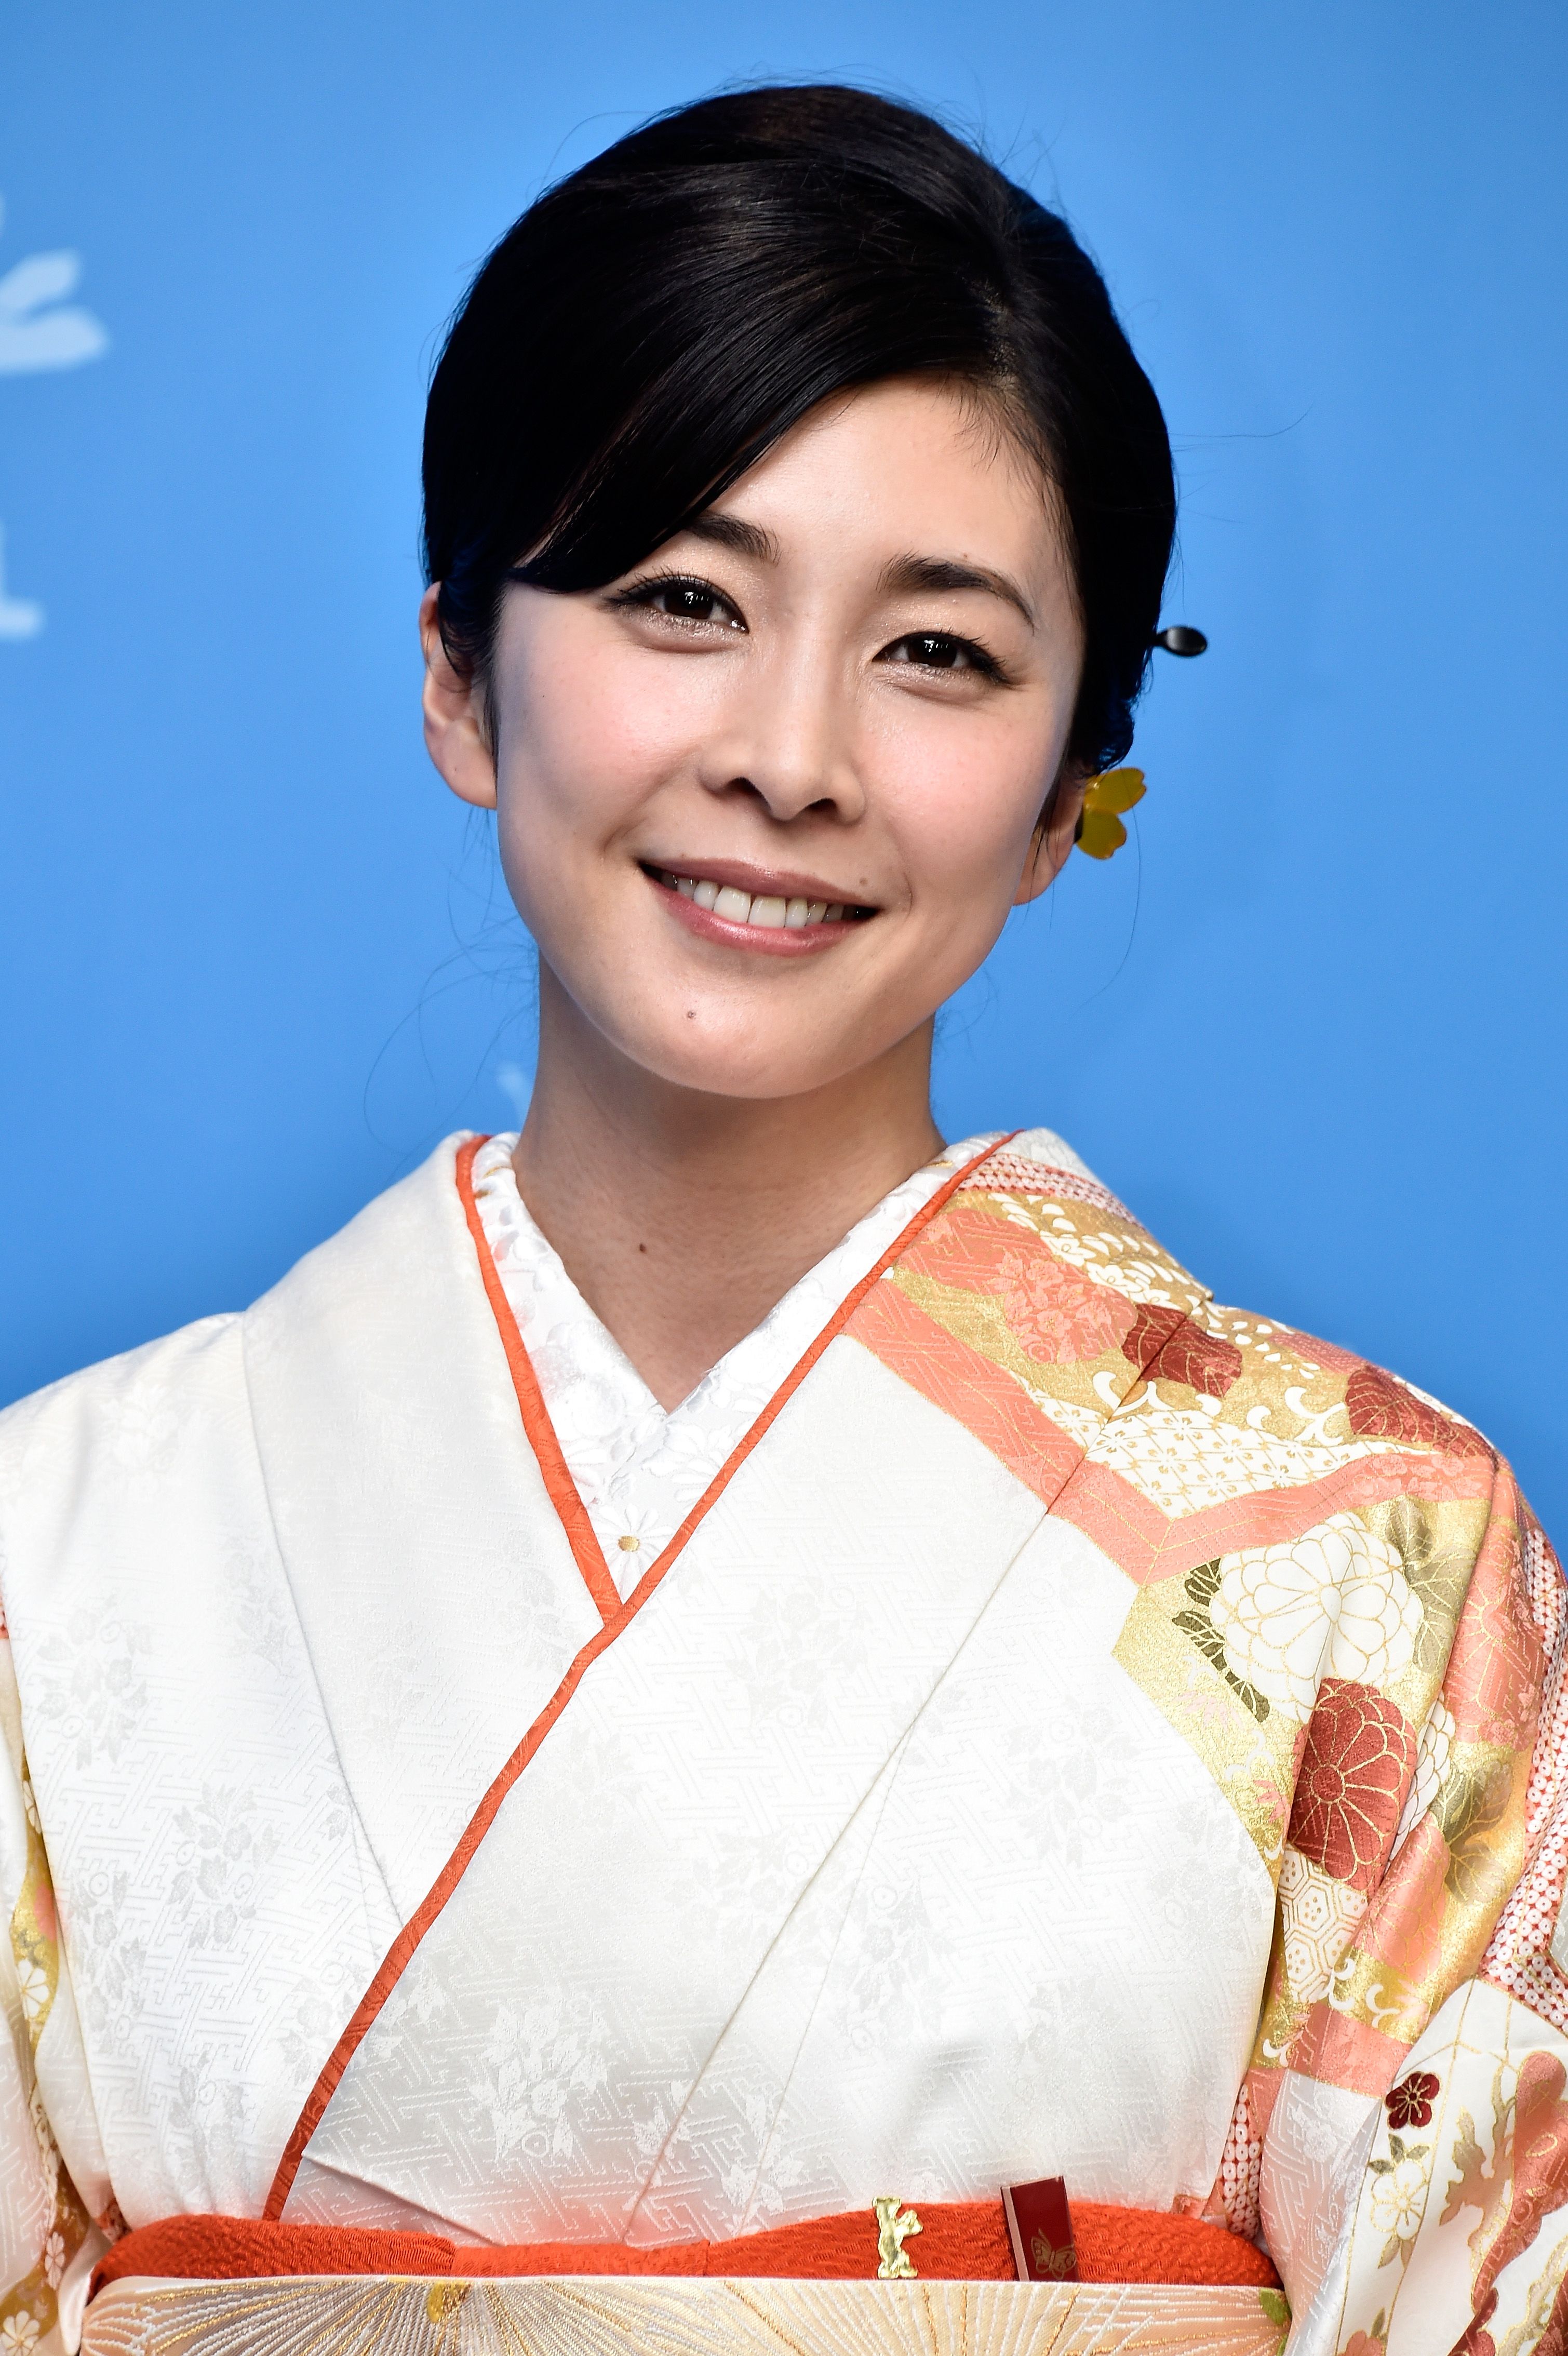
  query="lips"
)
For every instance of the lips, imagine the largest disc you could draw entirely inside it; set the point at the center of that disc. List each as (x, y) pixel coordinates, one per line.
(764, 911)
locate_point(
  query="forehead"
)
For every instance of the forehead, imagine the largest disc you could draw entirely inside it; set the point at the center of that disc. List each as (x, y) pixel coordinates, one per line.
(911, 465)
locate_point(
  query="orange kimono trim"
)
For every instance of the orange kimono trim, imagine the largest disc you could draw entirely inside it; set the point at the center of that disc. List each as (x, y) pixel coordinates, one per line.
(960, 2241)
(615, 1615)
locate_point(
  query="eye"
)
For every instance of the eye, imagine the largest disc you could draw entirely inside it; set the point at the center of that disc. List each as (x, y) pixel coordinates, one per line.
(939, 650)
(680, 598)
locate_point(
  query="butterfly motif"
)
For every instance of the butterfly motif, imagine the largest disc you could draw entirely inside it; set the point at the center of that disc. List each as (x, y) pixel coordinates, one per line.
(1101, 830)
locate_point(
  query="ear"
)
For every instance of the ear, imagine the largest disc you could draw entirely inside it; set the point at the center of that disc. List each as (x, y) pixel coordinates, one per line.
(1051, 843)
(454, 733)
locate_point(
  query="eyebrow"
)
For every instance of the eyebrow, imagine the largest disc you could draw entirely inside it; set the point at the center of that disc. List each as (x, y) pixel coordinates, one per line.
(936, 573)
(731, 532)
(901, 575)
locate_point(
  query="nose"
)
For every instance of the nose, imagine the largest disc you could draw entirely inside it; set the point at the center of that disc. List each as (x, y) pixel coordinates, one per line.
(786, 739)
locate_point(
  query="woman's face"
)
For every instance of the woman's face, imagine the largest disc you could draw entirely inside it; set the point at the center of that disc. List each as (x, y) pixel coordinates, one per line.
(764, 802)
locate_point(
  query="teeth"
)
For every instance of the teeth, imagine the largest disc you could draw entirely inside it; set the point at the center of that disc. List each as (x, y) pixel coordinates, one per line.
(770, 912)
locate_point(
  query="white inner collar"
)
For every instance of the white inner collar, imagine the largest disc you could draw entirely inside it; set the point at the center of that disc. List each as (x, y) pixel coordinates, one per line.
(637, 1467)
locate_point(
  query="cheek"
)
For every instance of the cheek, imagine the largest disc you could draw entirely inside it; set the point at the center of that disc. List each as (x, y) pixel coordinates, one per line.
(964, 801)
(588, 730)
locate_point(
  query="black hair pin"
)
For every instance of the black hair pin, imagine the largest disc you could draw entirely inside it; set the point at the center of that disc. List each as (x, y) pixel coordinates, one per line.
(1108, 798)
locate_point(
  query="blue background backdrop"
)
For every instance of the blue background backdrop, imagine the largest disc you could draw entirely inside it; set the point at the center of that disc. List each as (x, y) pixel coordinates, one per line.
(255, 960)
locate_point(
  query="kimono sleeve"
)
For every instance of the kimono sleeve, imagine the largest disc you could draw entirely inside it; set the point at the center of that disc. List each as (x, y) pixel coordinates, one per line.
(49, 2241)
(1410, 2123)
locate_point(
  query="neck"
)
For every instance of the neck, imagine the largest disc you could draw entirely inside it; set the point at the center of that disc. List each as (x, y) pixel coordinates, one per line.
(682, 1218)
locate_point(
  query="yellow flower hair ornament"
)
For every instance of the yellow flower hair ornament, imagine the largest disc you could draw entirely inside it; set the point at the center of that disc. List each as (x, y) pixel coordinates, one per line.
(1099, 830)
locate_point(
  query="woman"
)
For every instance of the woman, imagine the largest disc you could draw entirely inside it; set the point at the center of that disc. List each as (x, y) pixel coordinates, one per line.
(723, 1658)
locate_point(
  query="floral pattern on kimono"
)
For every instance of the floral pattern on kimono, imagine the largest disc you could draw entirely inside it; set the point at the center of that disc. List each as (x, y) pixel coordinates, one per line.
(44, 2226)
(1347, 1609)
(1344, 1611)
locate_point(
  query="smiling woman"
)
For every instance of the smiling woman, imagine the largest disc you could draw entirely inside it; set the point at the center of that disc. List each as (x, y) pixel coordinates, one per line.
(724, 1667)
(764, 804)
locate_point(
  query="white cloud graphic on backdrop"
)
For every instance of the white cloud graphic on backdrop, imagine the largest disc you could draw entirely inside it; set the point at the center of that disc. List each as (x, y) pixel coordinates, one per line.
(39, 329)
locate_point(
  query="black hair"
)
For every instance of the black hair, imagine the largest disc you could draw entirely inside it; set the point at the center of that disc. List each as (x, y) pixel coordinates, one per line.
(655, 322)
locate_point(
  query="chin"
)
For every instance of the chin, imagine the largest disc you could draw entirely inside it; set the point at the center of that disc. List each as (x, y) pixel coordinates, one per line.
(753, 1069)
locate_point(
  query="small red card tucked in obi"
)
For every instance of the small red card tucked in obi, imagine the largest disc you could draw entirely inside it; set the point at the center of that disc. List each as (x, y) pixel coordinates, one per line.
(1041, 2231)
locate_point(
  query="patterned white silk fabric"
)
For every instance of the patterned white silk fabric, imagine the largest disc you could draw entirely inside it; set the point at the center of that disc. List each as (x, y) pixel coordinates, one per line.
(637, 1467)
(857, 1862)
(768, 1752)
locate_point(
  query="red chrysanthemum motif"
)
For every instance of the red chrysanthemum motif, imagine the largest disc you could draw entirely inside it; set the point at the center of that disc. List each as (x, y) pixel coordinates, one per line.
(1409, 2105)
(1054, 1314)
(1359, 1757)
(1170, 1348)
(1380, 1408)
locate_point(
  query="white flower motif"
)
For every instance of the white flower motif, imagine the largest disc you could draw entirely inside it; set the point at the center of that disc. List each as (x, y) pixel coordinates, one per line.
(1433, 1755)
(54, 2260)
(1334, 1604)
(1399, 2194)
(535, 2072)
(594, 1408)
(638, 1521)
(633, 1535)
(19, 2331)
(688, 1460)
(34, 1982)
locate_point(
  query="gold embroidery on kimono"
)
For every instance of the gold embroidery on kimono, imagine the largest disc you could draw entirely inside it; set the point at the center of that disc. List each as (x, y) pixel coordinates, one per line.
(1089, 1731)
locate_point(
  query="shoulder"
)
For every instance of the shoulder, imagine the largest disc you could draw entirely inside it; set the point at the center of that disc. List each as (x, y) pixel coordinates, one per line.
(1225, 1461)
(382, 1241)
(1249, 1400)
(141, 1387)
(86, 1461)
(168, 1431)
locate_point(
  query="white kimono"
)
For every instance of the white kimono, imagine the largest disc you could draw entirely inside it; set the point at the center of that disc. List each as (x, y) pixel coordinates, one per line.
(1043, 1724)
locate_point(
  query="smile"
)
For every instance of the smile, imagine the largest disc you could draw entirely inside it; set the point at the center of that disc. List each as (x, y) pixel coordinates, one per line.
(767, 911)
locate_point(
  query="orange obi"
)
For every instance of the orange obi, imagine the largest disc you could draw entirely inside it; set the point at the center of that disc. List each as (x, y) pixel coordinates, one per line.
(960, 2241)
